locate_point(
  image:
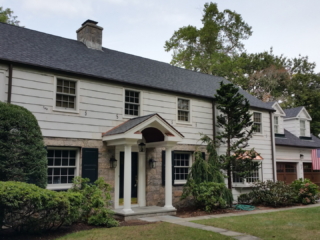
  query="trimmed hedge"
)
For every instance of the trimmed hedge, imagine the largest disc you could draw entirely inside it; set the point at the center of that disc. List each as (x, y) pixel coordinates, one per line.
(23, 156)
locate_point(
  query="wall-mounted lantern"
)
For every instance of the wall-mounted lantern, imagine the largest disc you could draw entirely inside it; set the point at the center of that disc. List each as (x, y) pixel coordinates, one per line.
(142, 147)
(301, 156)
(152, 163)
(113, 162)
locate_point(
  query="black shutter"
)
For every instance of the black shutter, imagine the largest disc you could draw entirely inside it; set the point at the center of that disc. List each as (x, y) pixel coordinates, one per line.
(204, 155)
(90, 163)
(163, 172)
(172, 165)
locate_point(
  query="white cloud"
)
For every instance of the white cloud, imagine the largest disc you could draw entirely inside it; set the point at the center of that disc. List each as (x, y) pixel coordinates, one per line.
(67, 8)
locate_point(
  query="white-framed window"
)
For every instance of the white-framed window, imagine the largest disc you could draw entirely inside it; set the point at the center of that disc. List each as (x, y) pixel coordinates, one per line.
(253, 177)
(276, 124)
(132, 103)
(257, 122)
(183, 106)
(63, 166)
(66, 95)
(302, 128)
(182, 162)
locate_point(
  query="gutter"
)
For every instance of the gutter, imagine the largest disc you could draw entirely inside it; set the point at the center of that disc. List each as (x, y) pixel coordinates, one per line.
(9, 83)
(272, 147)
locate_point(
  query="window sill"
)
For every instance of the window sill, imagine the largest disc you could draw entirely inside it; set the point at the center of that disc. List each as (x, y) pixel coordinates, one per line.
(179, 182)
(65, 110)
(242, 185)
(129, 116)
(58, 186)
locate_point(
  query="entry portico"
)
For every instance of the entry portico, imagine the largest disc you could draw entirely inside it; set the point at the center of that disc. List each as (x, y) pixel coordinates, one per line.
(153, 131)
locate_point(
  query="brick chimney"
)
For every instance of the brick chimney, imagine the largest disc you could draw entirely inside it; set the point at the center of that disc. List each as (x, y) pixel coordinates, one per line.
(90, 34)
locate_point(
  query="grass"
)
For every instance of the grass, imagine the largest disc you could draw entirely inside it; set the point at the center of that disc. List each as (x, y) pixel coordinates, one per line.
(290, 224)
(159, 231)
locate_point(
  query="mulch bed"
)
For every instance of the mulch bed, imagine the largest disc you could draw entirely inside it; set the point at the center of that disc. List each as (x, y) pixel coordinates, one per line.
(9, 234)
(196, 212)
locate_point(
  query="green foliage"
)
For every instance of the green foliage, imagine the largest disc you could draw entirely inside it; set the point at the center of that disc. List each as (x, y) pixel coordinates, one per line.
(28, 208)
(205, 182)
(244, 198)
(210, 195)
(22, 152)
(95, 202)
(235, 128)
(6, 16)
(275, 194)
(220, 37)
(306, 191)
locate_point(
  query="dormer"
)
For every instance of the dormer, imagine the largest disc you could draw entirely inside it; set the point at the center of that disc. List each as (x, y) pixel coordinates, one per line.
(278, 117)
(297, 121)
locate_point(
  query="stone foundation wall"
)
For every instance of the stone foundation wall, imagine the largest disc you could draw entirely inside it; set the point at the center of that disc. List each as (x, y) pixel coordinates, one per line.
(155, 192)
(105, 153)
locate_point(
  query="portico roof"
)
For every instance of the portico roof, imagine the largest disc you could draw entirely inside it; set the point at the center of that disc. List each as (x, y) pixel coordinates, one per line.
(132, 129)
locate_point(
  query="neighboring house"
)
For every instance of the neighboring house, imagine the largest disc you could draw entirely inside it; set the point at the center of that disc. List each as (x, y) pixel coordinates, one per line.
(294, 144)
(97, 107)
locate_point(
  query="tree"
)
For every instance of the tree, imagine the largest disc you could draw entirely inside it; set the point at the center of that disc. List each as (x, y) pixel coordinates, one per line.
(235, 128)
(22, 152)
(218, 39)
(6, 16)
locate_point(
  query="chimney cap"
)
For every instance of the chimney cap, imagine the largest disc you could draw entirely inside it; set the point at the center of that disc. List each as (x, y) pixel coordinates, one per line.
(89, 21)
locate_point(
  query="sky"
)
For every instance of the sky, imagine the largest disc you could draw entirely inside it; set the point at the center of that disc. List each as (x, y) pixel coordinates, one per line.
(141, 27)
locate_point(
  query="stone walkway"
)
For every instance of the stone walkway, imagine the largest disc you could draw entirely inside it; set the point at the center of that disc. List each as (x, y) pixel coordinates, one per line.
(236, 235)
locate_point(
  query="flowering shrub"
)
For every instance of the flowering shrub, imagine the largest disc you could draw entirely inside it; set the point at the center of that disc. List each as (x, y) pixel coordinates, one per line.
(306, 191)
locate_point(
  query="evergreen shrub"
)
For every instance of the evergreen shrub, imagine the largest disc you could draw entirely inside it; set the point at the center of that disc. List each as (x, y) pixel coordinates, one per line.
(23, 156)
(27, 208)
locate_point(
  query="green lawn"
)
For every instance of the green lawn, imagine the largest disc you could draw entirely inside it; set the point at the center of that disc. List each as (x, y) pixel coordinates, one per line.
(290, 224)
(161, 231)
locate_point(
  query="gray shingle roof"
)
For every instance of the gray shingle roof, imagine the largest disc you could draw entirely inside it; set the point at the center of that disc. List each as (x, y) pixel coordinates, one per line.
(292, 140)
(126, 126)
(39, 49)
(292, 112)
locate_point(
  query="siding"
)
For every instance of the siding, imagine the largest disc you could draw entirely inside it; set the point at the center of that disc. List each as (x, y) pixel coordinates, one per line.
(293, 126)
(261, 142)
(100, 107)
(3, 94)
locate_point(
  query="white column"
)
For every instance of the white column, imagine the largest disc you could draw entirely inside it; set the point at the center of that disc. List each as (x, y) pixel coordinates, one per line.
(127, 180)
(142, 179)
(168, 185)
(117, 179)
(300, 173)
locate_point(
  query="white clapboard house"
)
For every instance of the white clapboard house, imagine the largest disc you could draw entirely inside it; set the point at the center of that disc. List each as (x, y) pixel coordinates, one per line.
(97, 107)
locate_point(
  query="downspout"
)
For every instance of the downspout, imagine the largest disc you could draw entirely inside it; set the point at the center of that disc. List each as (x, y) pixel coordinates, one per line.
(213, 122)
(9, 84)
(272, 147)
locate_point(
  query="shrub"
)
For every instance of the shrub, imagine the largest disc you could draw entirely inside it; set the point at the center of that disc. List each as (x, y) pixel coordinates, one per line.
(244, 198)
(95, 202)
(22, 152)
(271, 193)
(210, 195)
(28, 208)
(306, 191)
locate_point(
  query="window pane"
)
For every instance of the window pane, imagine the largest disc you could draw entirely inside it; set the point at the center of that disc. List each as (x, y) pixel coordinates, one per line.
(65, 100)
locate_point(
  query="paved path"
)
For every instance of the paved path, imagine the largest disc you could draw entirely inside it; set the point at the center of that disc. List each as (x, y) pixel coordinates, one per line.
(236, 235)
